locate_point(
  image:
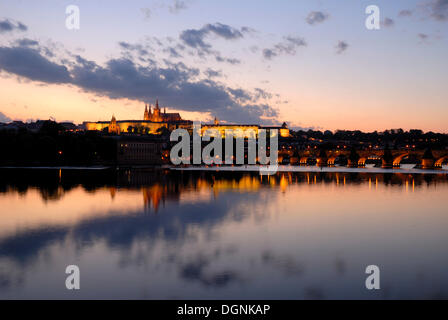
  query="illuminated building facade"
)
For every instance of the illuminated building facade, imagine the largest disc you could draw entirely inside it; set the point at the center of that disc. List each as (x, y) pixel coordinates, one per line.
(241, 129)
(158, 116)
(153, 121)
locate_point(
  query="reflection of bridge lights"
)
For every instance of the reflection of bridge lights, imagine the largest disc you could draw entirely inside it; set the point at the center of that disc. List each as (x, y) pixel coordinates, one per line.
(283, 183)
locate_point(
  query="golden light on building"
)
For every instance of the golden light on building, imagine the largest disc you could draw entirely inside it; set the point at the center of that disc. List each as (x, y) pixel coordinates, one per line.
(242, 130)
(154, 120)
(152, 123)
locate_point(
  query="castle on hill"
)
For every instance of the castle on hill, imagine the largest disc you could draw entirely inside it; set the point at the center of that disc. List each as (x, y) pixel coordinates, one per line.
(153, 121)
(158, 116)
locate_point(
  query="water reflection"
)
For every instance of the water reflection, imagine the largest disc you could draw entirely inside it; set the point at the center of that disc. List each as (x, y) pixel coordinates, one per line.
(160, 234)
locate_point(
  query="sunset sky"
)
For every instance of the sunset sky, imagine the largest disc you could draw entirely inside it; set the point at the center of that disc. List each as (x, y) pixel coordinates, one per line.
(310, 63)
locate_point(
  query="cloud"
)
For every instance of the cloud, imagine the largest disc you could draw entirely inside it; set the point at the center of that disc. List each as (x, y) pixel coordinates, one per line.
(316, 17)
(4, 118)
(223, 31)
(405, 13)
(210, 73)
(423, 36)
(25, 42)
(140, 49)
(174, 84)
(29, 63)
(439, 9)
(195, 38)
(262, 94)
(7, 25)
(269, 53)
(287, 47)
(147, 12)
(228, 60)
(240, 94)
(388, 22)
(177, 6)
(341, 47)
(173, 52)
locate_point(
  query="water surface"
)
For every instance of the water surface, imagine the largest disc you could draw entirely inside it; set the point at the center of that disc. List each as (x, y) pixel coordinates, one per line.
(159, 234)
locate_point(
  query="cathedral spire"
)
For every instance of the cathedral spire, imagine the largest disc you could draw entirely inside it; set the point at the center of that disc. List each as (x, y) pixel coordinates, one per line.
(157, 103)
(146, 114)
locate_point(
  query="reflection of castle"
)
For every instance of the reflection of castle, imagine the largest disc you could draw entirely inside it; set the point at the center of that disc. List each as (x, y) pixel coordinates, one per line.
(153, 195)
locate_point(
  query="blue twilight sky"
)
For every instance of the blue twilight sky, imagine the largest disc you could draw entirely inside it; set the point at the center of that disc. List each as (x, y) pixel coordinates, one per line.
(310, 63)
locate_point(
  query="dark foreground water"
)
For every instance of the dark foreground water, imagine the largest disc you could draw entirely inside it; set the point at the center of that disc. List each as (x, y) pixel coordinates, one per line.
(192, 235)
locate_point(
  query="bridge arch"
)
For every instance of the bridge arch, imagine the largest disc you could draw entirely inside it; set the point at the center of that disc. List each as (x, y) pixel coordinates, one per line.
(440, 161)
(369, 157)
(331, 160)
(362, 161)
(307, 160)
(397, 160)
(339, 159)
(304, 160)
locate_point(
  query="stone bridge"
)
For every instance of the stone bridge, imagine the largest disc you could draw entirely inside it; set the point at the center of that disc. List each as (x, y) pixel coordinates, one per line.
(388, 158)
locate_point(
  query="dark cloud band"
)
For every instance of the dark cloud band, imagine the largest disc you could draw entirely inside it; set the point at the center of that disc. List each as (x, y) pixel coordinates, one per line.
(7, 25)
(175, 84)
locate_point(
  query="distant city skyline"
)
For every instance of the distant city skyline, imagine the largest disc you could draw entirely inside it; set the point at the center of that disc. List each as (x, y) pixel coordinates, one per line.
(312, 64)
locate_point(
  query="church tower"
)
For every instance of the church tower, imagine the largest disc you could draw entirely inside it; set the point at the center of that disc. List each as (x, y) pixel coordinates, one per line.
(146, 114)
(156, 116)
(113, 127)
